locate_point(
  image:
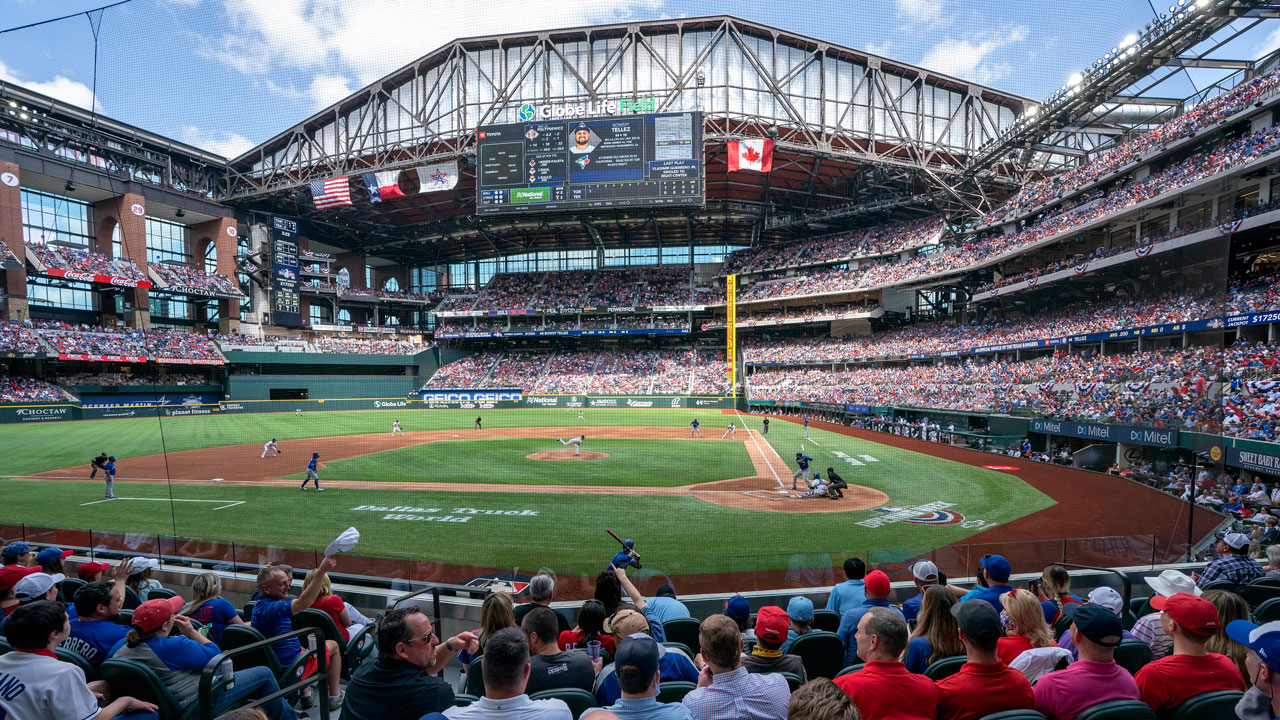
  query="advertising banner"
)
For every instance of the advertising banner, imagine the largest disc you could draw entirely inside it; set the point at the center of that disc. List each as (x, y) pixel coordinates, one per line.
(1108, 433)
(1259, 462)
(560, 333)
(138, 400)
(95, 278)
(286, 305)
(731, 332)
(470, 398)
(103, 358)
(189, 361)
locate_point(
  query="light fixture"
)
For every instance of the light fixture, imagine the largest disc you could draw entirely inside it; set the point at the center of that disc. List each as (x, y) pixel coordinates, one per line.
(70, 186)
(181, 213)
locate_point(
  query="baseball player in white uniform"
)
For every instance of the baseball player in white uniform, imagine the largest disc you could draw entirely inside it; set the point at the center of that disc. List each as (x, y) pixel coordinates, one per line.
(817, 488)
(272, 447)
(575, 442)
(729, 432)
(395, 428)
(297, 412)
(581, 417)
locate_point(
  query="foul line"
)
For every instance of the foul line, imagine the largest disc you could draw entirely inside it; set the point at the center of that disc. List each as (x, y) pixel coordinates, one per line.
(229, 503)
(760, 449)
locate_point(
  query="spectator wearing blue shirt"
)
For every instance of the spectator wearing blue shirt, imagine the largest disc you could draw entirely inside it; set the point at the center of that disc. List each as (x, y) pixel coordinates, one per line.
(666, 606)
(878, 591)
(94, 632)
(937, 634)
(273, 615)
(926, 575)
(179, 660)
(993, 581)
(850, 593)
(800, 611)
(637, 666)
(207, 606)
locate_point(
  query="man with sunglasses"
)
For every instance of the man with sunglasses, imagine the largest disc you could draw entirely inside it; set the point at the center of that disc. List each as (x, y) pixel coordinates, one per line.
(401, 683)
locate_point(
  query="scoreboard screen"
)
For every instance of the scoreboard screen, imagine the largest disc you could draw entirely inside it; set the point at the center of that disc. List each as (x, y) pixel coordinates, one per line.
(591, 163)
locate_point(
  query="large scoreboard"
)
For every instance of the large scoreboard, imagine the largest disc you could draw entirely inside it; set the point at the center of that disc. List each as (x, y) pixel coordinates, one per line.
(591, 163)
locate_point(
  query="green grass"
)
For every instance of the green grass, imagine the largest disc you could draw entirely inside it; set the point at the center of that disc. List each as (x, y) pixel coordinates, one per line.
(502, 461)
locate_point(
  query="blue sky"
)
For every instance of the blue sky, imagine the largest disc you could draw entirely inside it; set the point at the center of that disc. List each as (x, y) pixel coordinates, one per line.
(226, 74)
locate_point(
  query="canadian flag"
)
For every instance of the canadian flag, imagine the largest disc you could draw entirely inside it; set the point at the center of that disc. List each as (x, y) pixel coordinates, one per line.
(754, 155)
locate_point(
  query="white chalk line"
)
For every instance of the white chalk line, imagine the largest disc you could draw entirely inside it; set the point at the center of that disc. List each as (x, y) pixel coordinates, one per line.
(227, 503)
(762, 453)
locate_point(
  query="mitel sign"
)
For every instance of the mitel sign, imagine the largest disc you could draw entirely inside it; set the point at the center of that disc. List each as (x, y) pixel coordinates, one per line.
(628, 106)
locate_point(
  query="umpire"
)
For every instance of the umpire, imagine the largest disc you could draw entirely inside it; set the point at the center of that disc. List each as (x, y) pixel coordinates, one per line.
(98, 463)
(835, 484)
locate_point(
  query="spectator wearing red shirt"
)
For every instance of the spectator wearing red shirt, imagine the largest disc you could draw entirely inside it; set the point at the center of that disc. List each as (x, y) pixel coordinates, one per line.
(1191, 621)
(331, 604)
(883, 689)
(983, 685)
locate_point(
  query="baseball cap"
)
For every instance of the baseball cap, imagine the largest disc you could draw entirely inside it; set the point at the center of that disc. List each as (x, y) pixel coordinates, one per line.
(1096, 622)
(11, 574)
(142, 564)
(637, 656)
(1195, 614)
(800, 609)
(50, 554)
(978, 620)
(925, 571)
(996, 567)
(315, 454)
(626, 622)
(112, 458)
(1108, 598)
(35, 585)
(90, 569)
(877, 582)
(772, 623)
(1235, 540)
(737, 607)
(150, 615)
(1172, 582)
(15, 549)
(1262, 639)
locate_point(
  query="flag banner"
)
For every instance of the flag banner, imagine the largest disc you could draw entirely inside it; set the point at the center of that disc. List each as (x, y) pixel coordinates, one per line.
(383, 185)
(753, 155)
(434, 178)
(1229, 228)
(1143, 251)
(1081, 268)
(994, 292)
(331, 193)
(1137, 386)
(1046, 387)
(1261, 386)
(1084, 388)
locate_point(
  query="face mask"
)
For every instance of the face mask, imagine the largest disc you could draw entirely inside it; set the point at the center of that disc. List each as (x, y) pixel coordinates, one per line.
(1005, 621)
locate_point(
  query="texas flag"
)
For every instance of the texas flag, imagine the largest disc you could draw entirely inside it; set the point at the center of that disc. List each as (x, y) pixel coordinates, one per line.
(383, 185)
(754, 155)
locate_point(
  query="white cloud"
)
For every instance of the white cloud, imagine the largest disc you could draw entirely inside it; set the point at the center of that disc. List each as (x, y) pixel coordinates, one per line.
(326, 90)
(883, 49)
(218, 142)
(1269, 44)
(59, 88)
(921, 11)
(970, 59)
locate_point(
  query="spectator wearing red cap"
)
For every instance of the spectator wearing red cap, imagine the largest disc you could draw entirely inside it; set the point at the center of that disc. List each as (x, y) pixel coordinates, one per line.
(1096, 632)
(1191, 621)
(1233, 562)
(878, 591)
(1149, 628)
(179, 660)
(884, 689)
(983, 685)
(767, 656)
(9, 576)
(91, 571)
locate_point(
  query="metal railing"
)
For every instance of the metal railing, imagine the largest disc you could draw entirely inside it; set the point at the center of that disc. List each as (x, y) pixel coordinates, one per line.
(211, 681)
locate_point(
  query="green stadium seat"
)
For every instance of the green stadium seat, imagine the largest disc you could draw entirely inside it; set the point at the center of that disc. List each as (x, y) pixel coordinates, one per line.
(246, 613)
(793, 680)
(75, 658)
(851, 669)
(1208, 706)
(1267, 611)
(132, 678)
(125, 617)
(827, 620)
(1119, 710)
(473, 681)
(463, 699)
(161, 593)
(1266, 580)
(946, 667)
(821, 652)
(674, 690)
(683, 630)
(1255, 595)
(1061, 627)
(238, 636)
(5, 647)
(1014, 715)
(131, 598)
(1221, 585)
(354, 651)
(1132, 655)
(688, 651)
(578, 700)
(67, 589)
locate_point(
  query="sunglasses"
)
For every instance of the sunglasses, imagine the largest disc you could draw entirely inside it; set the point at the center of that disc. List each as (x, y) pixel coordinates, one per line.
(428, 638)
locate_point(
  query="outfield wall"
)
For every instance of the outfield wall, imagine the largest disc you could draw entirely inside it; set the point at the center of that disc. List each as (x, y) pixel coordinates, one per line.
(322, 387)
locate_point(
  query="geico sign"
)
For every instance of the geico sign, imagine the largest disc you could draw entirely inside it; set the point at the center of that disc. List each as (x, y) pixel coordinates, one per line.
(42, 411)
(390, 404)
(471, 397)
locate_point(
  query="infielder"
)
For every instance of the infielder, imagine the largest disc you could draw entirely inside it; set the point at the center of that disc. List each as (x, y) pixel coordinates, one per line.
(695, 427)
(581, 417)
(817, 488)
(96, 464)
(729, 432)
(109, 469)
(312, 473)
(272, 447)
(802, 461)
(478, 424)
(806, 428)
(297, 412)
(395, 428)
(575, 442)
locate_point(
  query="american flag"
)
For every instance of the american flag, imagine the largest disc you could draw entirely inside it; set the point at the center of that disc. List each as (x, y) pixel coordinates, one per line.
(334, 192)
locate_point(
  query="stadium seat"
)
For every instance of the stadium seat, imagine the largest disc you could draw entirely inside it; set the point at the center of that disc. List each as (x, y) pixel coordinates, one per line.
(1061, 627)
(354, 651)
(160, 594)
(1267, 611)
(463, 699)
(132, 678)
(850, 669)
(67, 589)
(669, 645)
(473, 681)
(1118, 710)
(1266, 580)
(237, 636)
(674, 690)
(1208, 706)
(124, 617)
(5, 646)
(1141, 606)
(131, 598)
(827, 620)
(1221, 585)
(683, 630)
(578, 700)
(246, 614)
(1255, 595)
(946, 667)
(75, 658)
(793, 680)
(1132, 655)
(1014, 715)
(821, 652)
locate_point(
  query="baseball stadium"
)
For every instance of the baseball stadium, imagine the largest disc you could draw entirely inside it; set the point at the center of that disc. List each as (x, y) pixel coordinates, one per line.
(665, 304)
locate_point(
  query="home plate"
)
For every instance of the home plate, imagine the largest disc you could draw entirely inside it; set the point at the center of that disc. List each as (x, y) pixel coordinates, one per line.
(781, 492)
(455, 436)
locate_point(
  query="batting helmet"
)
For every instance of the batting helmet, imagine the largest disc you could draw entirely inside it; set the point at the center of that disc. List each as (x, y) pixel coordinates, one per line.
(628, 543)
(315, 454)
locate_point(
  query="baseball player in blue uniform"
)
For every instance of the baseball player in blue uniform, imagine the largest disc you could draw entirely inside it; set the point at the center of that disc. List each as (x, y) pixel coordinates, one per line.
(627, 556)
(817, 488)
(802, 461)
(312, 473)
(694, 428)
(110, 470)
(806, 428)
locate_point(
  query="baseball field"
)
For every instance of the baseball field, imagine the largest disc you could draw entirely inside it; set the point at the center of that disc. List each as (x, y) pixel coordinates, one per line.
(446, 500)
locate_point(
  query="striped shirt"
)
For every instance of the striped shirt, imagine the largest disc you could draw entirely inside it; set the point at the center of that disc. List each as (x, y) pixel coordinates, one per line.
(740, 695)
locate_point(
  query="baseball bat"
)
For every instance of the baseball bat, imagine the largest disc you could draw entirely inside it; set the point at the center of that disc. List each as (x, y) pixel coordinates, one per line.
(631, 551)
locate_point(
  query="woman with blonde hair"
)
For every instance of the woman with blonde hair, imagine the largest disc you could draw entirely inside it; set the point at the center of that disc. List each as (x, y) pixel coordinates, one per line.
(1230, 607)
(331, 605)
(937, 634)
(496, 614)
(1025, 627)
(1054, 591)
(207, 606)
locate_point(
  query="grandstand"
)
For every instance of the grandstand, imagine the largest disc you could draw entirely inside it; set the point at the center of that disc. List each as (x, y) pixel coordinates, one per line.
(551, 316)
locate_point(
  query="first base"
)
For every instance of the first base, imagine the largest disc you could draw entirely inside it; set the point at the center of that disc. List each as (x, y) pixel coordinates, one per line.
(217, 479)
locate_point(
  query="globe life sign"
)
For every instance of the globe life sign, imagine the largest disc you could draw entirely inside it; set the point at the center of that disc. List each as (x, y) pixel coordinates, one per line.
(627, 106)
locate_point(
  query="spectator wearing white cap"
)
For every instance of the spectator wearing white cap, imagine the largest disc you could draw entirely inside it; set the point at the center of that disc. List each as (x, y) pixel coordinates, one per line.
(1233, 562)
(1148, 628)
(140, 577)
(1106, 597)
(925, 575)
(37, 586)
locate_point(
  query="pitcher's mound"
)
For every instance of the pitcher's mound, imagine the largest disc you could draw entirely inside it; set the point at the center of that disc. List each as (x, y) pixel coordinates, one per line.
(566, 455)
